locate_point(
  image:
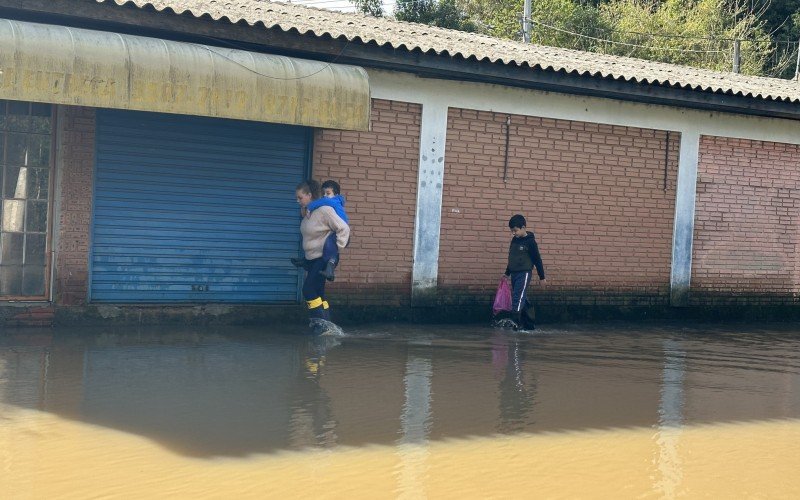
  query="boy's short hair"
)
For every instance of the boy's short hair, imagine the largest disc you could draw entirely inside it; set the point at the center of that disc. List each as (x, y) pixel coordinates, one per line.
(516, 221)
(333, 185)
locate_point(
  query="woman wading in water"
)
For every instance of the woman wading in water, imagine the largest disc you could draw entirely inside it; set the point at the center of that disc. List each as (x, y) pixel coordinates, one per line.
(317, 225)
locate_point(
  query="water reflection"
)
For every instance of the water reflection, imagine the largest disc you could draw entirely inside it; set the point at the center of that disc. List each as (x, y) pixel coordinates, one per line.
(670, 420)
(312, 421)
(238, 392)
(515, 393)
(415, 420)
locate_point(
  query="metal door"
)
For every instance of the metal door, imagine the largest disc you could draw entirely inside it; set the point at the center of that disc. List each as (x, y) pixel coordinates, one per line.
(192, 209)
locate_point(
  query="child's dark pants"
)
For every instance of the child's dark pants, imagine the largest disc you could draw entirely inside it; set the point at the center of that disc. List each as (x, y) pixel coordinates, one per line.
(519, 298)
(331, 250)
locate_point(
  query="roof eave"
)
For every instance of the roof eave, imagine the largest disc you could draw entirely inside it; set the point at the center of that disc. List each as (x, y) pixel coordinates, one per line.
(185, 27)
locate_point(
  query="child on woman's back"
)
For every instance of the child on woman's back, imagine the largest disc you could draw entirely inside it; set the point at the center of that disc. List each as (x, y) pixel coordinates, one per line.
(331, 197)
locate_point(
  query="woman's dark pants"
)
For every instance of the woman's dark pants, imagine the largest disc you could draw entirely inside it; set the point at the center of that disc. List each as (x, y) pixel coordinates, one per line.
(314, 290)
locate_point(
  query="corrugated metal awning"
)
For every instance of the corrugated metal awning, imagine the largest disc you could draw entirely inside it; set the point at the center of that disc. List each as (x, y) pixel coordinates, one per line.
(62, 65)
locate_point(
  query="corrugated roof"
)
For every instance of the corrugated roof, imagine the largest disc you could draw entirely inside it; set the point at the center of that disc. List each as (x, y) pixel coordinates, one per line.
(446, 42)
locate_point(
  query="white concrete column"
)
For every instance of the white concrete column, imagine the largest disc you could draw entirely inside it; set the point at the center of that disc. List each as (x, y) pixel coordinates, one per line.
(428, 220)
(683, 230)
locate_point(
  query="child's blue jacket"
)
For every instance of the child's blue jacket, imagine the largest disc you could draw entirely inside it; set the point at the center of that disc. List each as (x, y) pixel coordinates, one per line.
(336, 203)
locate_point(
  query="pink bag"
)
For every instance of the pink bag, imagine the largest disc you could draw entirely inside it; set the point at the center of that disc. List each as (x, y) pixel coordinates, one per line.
(502, 299)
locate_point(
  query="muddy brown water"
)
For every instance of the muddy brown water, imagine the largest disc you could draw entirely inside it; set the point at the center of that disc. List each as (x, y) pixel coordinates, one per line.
(401, 411)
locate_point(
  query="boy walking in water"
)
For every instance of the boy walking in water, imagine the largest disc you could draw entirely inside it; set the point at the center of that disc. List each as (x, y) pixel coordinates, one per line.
(331, 197)
(523, 256)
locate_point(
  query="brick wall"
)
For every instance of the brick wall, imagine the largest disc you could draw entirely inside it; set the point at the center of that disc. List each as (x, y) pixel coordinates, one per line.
(595, 195)
(746, 220)
(77, 163)
(378, 174)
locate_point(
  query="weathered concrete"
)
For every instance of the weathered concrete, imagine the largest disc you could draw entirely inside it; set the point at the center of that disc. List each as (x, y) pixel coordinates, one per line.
(683, 230)
(26, 314)
(450, 307)
(428, 221)
(62, 65)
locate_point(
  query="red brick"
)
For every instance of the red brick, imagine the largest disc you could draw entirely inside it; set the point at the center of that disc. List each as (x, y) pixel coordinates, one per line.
(746, 235)
(564, 182)
(380, 185)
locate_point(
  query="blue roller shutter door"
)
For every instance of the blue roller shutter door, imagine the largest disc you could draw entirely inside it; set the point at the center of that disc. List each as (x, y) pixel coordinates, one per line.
(191, 209)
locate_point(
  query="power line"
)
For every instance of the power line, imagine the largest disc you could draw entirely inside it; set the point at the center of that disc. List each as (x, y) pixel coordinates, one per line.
(626, 44)
(343, 5)
(777, 50)
(251, 70)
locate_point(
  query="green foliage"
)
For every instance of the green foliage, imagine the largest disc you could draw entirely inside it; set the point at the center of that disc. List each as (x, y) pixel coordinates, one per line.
(369, 7)
(781, 17)
(503, 19)
(498, 18)
(697, 33)
(442, 13)
(555, 21)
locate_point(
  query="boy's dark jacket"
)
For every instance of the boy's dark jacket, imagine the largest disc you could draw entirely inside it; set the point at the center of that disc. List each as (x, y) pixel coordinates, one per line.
(523, 255)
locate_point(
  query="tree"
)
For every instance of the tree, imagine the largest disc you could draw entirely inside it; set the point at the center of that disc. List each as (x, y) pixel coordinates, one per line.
(691, 32)
(697, 33)
(499, 18)
(442, 13)
(369, 7)
(503, 19)
(566, 23)
(782, 22)
(778, 16)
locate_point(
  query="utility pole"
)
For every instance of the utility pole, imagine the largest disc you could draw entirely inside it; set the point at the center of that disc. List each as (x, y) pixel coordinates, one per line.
(797, 65)
(526, 22)
(736, 51)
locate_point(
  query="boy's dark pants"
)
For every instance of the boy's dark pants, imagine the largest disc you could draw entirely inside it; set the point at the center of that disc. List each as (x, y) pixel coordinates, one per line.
(521, 308)
(330, 252)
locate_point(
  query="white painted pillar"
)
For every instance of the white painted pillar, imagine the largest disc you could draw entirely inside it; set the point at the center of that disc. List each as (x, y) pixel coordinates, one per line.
(683, 230)
(428, 219)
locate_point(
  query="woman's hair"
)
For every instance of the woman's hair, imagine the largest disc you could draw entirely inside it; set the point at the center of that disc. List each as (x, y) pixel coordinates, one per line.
(309, 186)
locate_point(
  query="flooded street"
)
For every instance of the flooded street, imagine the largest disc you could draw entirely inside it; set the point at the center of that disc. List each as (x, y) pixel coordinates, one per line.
(387, 411)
